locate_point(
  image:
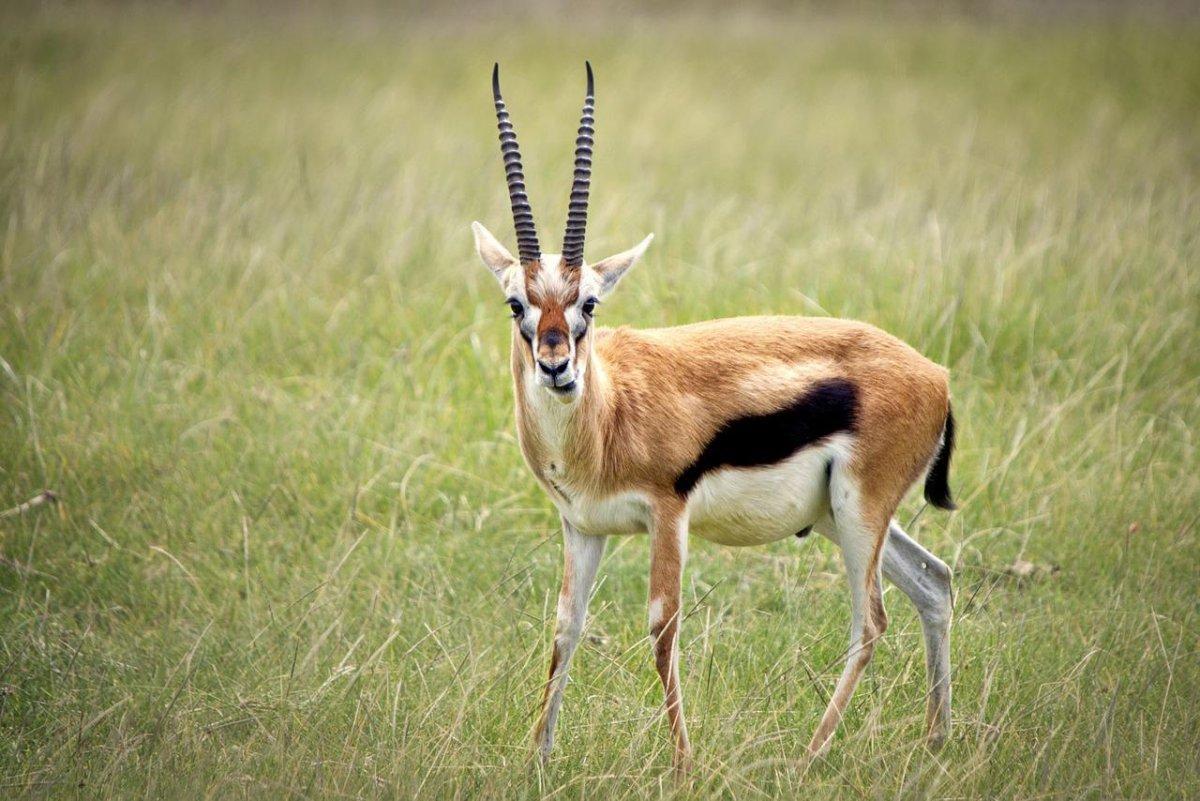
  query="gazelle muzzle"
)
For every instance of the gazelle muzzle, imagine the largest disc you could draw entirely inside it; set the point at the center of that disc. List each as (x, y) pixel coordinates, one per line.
(554, 358)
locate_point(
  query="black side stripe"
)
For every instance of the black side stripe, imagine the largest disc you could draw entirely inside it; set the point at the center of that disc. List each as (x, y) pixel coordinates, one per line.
(826, 408)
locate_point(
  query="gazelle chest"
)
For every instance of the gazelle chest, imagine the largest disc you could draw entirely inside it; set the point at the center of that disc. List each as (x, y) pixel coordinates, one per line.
(548, 452)
(611, 515)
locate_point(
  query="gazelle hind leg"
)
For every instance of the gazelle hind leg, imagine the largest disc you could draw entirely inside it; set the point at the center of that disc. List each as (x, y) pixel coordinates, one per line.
(581, 558)
(925, 579)
(860, 544)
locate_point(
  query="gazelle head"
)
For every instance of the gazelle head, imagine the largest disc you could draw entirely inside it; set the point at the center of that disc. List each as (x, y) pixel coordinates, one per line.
(552, 296)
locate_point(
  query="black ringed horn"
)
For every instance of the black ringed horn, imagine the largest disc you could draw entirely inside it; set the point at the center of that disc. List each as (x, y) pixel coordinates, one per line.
(572, 253)
(514, 174)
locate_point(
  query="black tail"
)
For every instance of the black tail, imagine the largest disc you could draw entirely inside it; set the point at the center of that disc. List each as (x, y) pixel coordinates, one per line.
(937, 483)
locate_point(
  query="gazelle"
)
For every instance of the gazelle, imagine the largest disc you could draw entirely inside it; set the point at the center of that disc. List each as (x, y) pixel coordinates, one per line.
(741, 431)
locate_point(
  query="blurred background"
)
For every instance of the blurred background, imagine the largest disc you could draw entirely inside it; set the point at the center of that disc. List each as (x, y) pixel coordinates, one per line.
(245, 340)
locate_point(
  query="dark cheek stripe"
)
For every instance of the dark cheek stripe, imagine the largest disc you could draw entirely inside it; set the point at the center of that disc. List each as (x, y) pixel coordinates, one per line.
(826, 408)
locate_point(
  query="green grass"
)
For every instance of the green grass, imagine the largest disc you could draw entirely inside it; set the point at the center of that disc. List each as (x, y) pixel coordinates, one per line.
(245, 336)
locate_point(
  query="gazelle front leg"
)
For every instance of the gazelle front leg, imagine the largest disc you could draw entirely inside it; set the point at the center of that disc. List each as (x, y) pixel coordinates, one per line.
(668, 552)
(581, 558)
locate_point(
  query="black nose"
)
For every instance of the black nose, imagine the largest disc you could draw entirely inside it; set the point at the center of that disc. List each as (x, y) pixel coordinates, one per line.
(554, 370)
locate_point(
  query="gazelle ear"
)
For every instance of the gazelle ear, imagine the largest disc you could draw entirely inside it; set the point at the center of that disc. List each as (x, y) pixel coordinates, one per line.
(494, 255)
(611, 269)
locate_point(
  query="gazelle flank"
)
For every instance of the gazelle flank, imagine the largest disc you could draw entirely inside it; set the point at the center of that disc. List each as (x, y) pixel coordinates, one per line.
(741, 431)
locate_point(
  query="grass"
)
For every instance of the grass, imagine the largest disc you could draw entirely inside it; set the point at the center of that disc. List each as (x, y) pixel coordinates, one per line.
(245, 337)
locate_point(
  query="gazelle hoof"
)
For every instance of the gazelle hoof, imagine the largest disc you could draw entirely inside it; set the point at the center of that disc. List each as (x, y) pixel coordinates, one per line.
(936, 738)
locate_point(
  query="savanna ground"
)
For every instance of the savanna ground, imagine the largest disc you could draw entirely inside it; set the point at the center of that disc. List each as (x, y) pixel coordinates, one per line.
(244, 336)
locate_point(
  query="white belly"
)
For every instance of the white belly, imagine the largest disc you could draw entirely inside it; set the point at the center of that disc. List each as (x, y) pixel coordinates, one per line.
(751, 506)
(731, 506)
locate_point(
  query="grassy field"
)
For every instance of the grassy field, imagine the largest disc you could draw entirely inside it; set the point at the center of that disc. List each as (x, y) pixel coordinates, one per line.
(245, 337)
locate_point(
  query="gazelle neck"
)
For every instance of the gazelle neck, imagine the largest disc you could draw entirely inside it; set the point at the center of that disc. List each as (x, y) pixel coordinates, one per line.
(560, 439)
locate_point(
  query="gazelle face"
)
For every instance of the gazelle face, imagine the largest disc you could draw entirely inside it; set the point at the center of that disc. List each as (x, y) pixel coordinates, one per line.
(552, 308)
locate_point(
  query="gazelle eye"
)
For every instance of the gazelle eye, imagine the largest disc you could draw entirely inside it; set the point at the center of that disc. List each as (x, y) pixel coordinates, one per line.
(517, 309)
(589, 306)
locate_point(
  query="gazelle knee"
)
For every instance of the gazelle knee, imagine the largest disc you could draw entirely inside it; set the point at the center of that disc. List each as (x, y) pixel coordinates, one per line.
(862, 651)
(942, 576)
(568, 631)
(662, 618)
(878, 620)
(874, 625)
(938, 604)
(872, 634)
(662, 635)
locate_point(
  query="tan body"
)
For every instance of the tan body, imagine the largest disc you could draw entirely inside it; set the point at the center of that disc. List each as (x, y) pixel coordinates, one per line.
(638, 426)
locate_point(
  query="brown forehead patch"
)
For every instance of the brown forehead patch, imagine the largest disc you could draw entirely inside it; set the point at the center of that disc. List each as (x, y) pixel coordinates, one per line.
(552, 319)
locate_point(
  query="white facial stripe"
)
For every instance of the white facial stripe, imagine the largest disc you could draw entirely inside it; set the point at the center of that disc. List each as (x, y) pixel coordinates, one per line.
(589, 287)
(529, 323)
(514, 286)
(575, 322)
